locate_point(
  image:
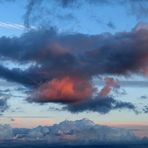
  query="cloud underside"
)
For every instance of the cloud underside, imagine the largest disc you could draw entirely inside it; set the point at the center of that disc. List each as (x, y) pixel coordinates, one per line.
(63, 65)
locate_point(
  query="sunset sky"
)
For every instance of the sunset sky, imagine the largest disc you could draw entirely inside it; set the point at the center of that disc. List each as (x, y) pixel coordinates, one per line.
(71, 59)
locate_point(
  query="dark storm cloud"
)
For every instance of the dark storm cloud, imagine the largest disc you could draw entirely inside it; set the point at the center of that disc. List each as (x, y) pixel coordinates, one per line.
(16, 75)
(64, 60)
(87, 55)
(102, 105)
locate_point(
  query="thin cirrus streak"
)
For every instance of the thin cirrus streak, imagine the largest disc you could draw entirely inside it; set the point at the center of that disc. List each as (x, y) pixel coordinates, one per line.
(7, 25)
(31, 122)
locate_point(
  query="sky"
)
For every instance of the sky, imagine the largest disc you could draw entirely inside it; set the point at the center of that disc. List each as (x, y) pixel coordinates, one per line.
(72, 59)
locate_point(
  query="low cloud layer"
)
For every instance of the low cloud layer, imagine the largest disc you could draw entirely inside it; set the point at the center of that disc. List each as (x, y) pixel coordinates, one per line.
(70, 132)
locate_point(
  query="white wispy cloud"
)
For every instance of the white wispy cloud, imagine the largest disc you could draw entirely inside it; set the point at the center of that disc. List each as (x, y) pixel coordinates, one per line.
(7, 25)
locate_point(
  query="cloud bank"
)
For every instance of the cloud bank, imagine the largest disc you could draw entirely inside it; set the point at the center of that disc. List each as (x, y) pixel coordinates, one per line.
(65, 64)
(6, 132)
(70, 132)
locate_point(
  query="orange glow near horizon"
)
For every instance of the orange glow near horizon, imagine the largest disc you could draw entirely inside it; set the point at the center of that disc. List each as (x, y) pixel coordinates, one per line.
(31, 122)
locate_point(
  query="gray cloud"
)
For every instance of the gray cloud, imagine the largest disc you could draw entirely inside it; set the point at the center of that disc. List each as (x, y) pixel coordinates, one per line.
(104, 50)
(102, 105)
(72, 132)
(145, 110)
(3, 105)
(143, 97)
(74, 58)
